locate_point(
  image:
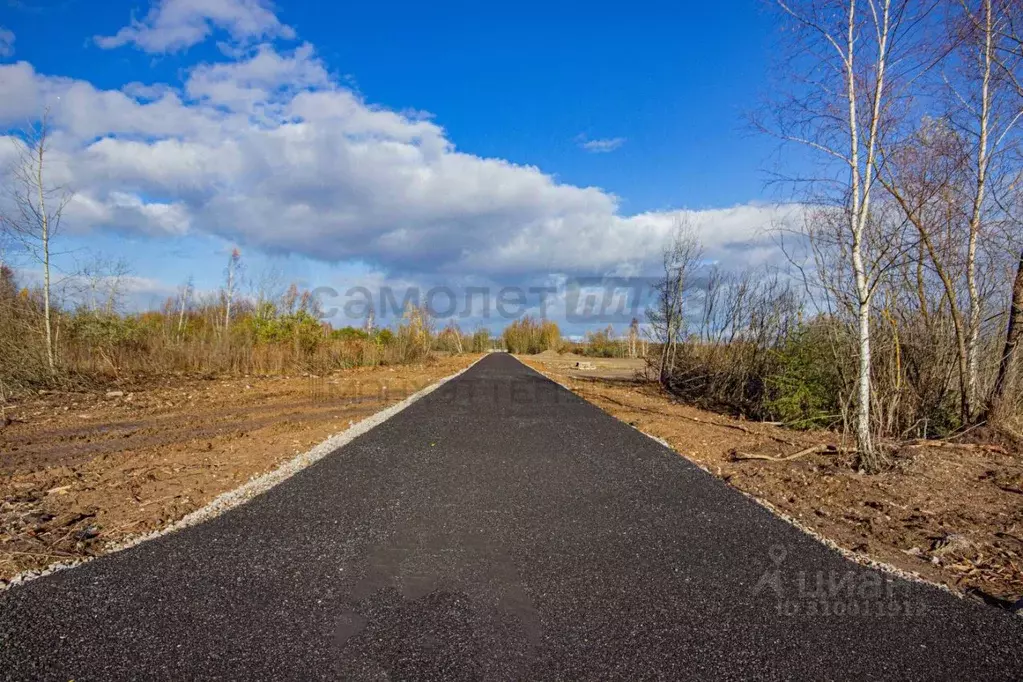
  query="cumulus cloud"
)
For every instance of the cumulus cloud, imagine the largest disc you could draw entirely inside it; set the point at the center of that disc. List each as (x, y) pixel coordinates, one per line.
(129, 212)
(600, 146)
(6, 42)
(270, 151)
(174, 25)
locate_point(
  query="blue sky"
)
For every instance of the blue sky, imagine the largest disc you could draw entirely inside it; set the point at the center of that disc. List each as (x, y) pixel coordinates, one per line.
(449, 142)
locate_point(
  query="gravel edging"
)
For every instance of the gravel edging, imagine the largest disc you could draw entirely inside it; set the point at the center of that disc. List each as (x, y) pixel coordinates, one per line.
(253, 487)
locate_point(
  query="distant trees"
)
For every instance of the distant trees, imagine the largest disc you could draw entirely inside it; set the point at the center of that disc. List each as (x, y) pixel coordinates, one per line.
(530, 335)
(635, 340)
(101, 282)
(285, 333)
(481, 342)
(415, 334)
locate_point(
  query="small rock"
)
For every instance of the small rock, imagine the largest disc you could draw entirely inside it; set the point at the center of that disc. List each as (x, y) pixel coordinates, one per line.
(87, 533)
(115, 394)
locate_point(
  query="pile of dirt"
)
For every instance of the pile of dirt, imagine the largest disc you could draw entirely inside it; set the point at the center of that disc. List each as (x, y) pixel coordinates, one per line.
(82, 471)
(952, 513)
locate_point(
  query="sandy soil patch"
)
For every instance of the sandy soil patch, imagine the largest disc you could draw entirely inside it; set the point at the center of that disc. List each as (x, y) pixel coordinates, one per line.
(951, 515)
(84, 471)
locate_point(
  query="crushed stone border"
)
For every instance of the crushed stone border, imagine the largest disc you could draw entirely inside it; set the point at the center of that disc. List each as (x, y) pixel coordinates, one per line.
(255, 486)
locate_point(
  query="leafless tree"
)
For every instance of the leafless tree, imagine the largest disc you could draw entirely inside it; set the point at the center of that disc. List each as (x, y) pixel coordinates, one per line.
(268, 290)
(680, 260)
(987, 111)
(851, 62)
(928, 179)
(231, 274)
(102, 282)
(1007, 59)
(32, 212)
(185, 293)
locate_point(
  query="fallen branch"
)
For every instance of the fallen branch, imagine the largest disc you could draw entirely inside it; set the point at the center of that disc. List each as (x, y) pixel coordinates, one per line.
(967, 430)
(737, 427)
(813, 450)
(927, 443)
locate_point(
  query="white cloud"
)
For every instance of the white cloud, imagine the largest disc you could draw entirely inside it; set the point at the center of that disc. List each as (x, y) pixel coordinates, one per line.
(263, 79)
(272, 152)
(173, 25)
(6, 42)
(600, 146)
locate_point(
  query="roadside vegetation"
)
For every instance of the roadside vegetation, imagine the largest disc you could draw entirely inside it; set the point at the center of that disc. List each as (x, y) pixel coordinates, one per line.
(764, 351)
(901, 311)
(261, 335)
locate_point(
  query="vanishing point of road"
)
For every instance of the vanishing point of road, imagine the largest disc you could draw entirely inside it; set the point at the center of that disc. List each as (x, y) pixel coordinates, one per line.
(499, 528)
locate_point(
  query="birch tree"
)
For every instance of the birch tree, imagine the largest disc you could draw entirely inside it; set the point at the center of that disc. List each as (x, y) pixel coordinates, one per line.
(844, 86)
(32, 211)
(985, 108)
(993, 30)
(185, 292)
(231, 273)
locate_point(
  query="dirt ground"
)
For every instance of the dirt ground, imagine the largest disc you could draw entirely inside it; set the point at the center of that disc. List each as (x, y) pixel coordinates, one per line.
(952, 515)
(80, 472)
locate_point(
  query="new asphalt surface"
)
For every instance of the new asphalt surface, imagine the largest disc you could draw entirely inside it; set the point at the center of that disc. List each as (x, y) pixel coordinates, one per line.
(499, 528)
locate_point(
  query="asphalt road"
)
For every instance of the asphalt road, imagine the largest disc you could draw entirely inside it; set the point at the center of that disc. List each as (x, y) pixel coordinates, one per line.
(500, 528)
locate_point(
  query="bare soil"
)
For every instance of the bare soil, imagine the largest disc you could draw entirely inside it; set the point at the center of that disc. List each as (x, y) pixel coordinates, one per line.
(951, 513)
(82, 471)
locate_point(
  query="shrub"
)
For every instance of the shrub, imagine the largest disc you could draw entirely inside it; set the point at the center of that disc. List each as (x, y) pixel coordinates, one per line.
(805, 385)
(413, 339)
(603, 344)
